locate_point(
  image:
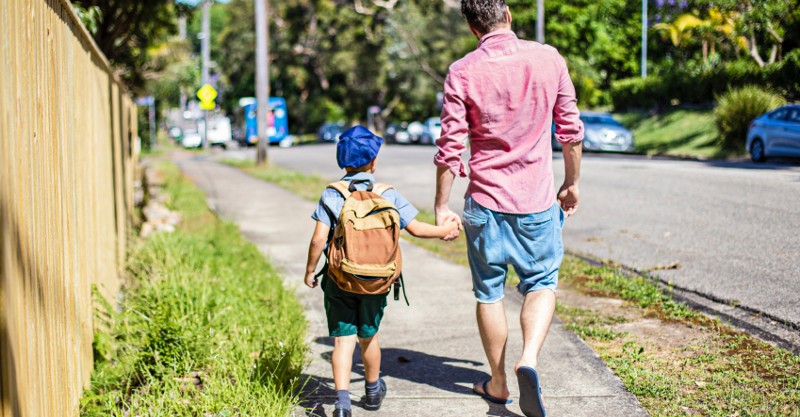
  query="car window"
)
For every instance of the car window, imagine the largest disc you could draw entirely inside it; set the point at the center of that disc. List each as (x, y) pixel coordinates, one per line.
(794, 115)
(600, 120)
(778, 115)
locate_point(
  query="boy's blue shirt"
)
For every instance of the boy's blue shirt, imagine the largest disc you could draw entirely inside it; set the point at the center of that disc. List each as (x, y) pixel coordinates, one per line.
(331, 202)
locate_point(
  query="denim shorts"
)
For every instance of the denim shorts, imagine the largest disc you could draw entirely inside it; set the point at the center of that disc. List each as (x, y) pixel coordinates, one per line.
(531, 243)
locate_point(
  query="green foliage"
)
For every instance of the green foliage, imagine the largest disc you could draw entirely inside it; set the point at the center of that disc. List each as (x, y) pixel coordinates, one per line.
(737, 108)
(701, 84)
(206, 327)
(89, 16)
(124, 30)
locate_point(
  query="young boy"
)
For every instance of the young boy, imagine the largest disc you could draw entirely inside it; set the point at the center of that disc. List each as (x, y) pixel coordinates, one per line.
(356, 317)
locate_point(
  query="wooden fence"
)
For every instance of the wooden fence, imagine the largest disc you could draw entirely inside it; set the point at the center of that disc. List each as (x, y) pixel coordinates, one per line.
(66, 174)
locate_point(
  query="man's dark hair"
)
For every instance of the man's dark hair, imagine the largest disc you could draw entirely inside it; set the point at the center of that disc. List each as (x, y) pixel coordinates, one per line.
(484, 15)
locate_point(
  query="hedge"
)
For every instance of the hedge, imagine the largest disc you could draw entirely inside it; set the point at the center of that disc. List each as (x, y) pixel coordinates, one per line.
(702, 86)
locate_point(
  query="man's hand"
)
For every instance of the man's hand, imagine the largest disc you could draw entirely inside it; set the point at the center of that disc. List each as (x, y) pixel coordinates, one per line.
(445, 215)
(310, 280)
(568, 198)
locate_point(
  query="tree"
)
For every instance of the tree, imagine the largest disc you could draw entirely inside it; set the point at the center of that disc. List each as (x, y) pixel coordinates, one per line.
(125, 29)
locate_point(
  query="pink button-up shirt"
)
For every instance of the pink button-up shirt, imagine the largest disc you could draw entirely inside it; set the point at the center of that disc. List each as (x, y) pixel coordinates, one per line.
(504, 96)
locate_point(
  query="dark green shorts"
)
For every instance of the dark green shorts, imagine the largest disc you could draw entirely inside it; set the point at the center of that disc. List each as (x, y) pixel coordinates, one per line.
(351, 314)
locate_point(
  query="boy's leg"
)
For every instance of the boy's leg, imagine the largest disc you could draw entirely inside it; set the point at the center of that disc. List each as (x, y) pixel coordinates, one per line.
(343, 348)
(371, 357)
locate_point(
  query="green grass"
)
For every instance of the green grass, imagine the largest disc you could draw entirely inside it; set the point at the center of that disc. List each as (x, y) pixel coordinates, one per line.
(307, 186)
(205, 327)
(680, 132)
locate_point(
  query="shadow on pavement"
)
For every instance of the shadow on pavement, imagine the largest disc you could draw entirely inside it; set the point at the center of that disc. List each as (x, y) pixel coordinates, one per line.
(438, 372)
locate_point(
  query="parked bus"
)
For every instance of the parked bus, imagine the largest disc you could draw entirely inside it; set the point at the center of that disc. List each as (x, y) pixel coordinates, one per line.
(277, 120)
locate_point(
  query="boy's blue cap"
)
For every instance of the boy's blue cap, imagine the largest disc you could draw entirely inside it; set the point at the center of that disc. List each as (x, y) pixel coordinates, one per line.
(357, 147)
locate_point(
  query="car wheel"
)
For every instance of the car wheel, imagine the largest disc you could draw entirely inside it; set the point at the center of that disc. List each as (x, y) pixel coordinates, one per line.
(757, 151)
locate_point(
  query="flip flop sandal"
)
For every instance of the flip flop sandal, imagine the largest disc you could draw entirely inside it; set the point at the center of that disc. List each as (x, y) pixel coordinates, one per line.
(485, 395)
(530, 393)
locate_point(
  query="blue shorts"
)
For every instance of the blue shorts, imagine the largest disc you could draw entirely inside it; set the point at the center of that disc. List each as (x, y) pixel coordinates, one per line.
(531, 243)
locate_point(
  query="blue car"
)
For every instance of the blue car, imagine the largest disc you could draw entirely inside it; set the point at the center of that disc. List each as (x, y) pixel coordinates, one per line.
(602, 133)
(776, 133)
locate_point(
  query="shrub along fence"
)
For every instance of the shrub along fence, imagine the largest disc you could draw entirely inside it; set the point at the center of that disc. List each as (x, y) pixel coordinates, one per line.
(66, 174)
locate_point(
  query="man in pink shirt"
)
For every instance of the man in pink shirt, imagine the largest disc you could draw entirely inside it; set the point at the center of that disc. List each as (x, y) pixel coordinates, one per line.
(503, 97)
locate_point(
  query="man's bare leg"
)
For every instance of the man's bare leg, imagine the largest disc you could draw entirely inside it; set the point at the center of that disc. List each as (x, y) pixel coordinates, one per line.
(535, 317)
(494, 334)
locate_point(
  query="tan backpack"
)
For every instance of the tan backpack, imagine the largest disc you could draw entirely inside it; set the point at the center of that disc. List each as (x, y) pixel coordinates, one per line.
(364, 253)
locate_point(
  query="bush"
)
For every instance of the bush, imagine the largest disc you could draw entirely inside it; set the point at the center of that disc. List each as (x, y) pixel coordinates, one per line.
(737, 108)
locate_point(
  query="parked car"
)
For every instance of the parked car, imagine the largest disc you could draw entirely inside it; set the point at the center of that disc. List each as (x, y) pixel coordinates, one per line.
(601, 133)
(219, 131)
(190, 137)
(432, 131)
(776, 133)
(415, 131)
(397, 133)
(330, 132)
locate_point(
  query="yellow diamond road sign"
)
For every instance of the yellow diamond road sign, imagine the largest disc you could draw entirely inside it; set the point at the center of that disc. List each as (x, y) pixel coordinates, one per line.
(207, 93)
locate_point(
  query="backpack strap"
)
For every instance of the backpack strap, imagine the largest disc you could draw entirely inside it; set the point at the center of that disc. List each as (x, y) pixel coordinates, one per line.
(343, 187)
(381, 188)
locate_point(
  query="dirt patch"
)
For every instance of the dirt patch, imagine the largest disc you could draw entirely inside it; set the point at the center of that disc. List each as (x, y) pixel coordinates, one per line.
(661, 334)
(611, 307)
(646, 330)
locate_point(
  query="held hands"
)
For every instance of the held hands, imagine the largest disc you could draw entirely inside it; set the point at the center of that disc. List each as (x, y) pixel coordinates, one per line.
(310, 280)
(568, 199)
(446, 217)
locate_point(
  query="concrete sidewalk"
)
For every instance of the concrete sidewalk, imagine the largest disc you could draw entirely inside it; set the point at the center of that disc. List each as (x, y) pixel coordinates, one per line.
(431, 350)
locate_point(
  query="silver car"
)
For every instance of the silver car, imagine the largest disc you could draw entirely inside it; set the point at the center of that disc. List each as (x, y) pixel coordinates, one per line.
(602, 133)
(776, 133)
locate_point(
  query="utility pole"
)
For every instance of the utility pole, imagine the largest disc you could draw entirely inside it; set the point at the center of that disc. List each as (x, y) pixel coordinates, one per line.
(205, 51)
(262, 78)
(540, 21)
(644, 38)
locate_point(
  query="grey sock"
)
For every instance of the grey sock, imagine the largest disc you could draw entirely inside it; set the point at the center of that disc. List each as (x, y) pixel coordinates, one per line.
(373, 387)
(343, 399)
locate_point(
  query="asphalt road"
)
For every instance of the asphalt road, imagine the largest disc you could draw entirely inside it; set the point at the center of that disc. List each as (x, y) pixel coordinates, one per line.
(732, 230)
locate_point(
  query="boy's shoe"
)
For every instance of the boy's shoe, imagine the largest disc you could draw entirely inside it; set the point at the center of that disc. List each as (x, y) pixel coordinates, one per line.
(374, 401)
(341, 412)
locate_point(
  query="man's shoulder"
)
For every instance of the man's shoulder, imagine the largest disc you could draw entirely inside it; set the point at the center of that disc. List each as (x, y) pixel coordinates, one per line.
(524, 46)
(538, 48)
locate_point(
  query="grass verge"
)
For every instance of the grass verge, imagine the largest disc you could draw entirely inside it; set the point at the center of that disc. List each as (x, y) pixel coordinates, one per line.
(676, 361)
(205, 328)
(679, 132)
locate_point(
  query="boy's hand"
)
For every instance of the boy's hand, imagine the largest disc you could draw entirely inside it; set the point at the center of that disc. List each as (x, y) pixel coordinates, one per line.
(311, 281)
(453, 227)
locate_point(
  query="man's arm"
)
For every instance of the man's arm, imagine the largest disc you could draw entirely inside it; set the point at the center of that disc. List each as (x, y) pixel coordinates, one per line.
(441, 208)
(455, 130)
(569, 132)
(568, 194)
